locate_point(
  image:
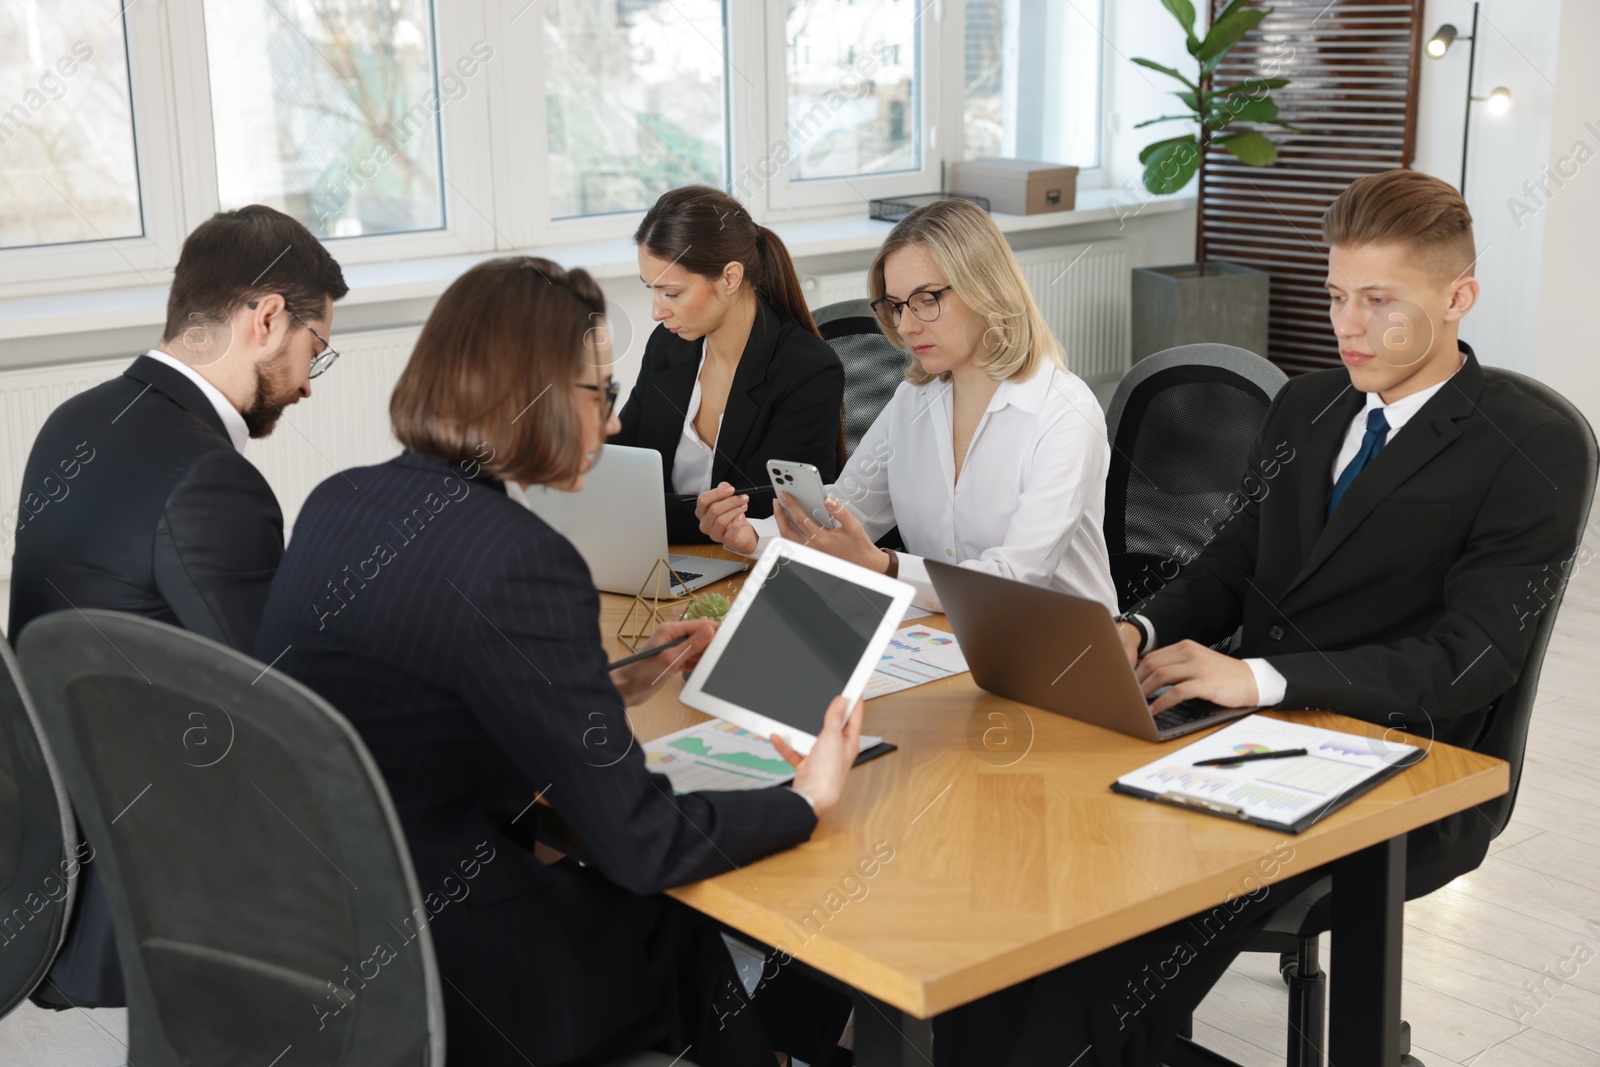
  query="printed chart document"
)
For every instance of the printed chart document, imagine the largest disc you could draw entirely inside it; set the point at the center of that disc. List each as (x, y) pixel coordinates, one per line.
(720, 755)
(1288, 794)
(916, 654)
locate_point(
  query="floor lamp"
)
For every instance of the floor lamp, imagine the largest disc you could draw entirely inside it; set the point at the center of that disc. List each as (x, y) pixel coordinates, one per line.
(1499, 100)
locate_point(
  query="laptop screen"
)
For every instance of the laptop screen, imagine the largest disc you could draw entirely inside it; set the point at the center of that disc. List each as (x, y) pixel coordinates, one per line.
(798, 642)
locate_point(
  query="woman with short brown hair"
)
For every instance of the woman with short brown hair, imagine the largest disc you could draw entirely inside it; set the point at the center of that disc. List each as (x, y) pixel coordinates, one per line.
(460, 635)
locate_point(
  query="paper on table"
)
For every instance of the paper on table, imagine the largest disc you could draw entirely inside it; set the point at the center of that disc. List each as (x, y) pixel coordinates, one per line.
(1278, 791)
(720, 755)
(916, 654)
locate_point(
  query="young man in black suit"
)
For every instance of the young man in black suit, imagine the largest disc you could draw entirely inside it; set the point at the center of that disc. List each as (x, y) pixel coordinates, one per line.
(137, 496)
(1386, 573)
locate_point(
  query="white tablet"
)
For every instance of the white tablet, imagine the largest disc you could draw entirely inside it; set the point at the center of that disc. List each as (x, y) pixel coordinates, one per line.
(807, 627)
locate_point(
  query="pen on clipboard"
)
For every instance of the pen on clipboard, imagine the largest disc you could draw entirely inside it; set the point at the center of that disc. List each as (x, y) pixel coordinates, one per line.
(1250, 757)
(647, 653)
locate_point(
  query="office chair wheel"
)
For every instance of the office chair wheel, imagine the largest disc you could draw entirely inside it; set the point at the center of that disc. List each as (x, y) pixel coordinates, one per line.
(1408, 1060)
(1288, 965)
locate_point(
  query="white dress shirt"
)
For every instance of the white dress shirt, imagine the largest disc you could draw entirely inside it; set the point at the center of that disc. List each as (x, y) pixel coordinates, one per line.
(1271, 685)
(1031, 497)
(691, 463)
(238, 432)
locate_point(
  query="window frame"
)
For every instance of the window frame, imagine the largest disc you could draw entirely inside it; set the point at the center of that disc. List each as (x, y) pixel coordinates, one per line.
(785, 193)
(493, 142)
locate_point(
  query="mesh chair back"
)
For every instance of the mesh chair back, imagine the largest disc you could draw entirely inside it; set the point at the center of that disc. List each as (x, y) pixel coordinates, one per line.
(39, 849)
(1506, 736)
(873, 367)
(1181, 425)
(258, 881)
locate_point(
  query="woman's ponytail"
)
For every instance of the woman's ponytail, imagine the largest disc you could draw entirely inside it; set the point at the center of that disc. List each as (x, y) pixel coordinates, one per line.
(779, 283)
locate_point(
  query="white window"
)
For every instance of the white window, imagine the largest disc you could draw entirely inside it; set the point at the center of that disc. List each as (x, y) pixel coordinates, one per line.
(851, 115)
(634, 101)
(852, 89)
(67, 167)
(327, 112)
(1033, 78)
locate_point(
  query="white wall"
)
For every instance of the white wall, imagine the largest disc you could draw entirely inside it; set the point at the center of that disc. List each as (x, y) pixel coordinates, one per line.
(1567, 353)
(1517, 44)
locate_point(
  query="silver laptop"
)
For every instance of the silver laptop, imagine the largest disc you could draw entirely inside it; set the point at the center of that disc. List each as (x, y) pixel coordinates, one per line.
(1057, 652)
(618, 522)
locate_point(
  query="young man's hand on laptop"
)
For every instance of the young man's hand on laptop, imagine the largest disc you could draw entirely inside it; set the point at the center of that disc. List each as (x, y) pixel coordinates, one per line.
(819, 776)
(721, 512)
(638, 682)
(1195, 672)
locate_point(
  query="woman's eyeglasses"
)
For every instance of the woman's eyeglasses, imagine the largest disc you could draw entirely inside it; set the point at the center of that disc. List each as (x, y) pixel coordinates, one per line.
(924, 305)
(610, 392)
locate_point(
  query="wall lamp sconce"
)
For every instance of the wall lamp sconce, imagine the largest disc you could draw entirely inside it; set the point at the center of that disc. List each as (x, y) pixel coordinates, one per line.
(1498, 100)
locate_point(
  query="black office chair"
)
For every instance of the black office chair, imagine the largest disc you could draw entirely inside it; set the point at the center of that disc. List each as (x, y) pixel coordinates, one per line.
(1294, 929)
(1181, 424)
(260, 887)
(39, 848)
(873, 367)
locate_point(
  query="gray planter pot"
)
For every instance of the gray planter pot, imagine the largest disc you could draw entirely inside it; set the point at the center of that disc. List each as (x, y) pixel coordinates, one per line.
(1179, 306)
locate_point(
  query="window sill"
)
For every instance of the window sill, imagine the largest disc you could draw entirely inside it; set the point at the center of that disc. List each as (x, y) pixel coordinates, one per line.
(39, 317)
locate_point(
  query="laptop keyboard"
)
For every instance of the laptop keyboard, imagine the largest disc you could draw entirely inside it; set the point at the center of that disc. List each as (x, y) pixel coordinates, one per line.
(1184, 714)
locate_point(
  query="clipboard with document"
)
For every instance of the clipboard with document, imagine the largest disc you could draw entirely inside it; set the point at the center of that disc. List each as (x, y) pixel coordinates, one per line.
(1286, 794)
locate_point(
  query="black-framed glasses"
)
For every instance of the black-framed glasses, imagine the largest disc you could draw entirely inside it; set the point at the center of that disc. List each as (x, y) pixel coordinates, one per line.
(924, 305)
(611, 390)
(322, 360)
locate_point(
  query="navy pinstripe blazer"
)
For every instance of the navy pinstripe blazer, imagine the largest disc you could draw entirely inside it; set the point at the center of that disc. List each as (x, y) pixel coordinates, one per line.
(460, 635)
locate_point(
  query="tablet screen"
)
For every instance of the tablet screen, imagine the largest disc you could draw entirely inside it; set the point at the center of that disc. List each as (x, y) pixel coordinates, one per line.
(797, 644)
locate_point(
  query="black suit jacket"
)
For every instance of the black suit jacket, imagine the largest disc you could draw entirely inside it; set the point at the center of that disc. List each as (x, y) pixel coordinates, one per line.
(786, 402)
(1409, 607)
(460, 635)
(134, 499)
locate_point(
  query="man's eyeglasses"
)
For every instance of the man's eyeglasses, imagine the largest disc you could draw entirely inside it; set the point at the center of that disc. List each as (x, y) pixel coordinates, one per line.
(322, 360)
(924, 305)
(609, 391)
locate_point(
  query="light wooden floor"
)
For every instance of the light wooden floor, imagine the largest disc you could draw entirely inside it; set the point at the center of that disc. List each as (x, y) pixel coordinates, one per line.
(1502, 966)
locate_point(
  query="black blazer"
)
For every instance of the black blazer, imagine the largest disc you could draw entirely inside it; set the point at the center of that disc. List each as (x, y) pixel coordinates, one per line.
(1409, 608)
(460, 635)
(786, 402)
(135, 500)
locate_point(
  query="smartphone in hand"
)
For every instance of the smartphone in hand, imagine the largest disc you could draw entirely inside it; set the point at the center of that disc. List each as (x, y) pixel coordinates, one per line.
(803, 482)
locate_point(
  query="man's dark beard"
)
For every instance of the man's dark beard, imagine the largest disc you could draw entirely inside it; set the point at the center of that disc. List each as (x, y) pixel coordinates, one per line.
(263, 413)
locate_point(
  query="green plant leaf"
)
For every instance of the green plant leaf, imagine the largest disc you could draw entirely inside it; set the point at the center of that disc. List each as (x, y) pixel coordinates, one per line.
(1183, 11)
(1233, 6)
(1253, 148)
(1170, 166)
(1153, 65)
(1241, 109)
(1226, 32)
(1163, 118)
(1188, 99)
(1150, 148)
(1254, 86)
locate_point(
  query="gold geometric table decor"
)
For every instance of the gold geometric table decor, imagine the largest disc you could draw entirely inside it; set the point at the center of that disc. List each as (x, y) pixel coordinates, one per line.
(649, 609)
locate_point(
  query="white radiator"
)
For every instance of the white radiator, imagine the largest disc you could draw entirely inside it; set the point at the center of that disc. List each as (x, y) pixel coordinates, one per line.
(344, 424)
(1083, 291)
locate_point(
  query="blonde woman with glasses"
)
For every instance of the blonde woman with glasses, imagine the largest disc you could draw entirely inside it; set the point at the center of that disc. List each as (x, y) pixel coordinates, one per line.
(991, 454)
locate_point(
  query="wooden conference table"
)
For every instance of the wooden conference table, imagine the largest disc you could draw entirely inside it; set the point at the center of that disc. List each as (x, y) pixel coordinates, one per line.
(999, 853)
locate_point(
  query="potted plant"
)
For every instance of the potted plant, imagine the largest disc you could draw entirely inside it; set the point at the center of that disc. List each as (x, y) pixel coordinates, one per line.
(1206, 300)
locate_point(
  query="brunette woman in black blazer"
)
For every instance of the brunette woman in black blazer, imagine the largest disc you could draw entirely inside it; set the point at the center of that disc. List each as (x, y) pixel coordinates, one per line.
(736, 373)
(460, 635)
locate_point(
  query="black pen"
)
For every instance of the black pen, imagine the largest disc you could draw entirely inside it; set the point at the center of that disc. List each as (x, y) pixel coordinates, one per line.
(647, 653)
(1247, 757)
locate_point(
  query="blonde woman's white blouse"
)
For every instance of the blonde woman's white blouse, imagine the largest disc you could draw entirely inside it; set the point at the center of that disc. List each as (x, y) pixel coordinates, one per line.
(1031, 499)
